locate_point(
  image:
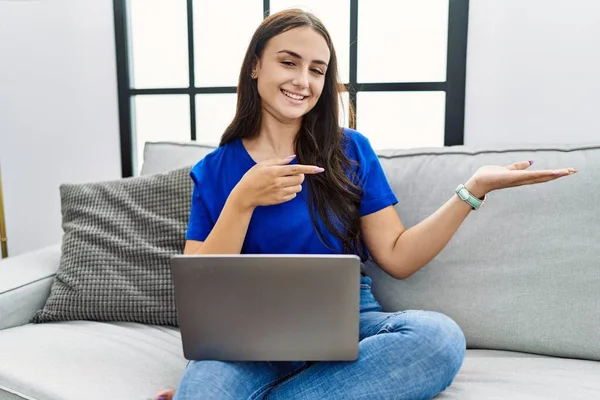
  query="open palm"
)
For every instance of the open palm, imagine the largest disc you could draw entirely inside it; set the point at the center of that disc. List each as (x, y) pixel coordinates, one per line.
(493, 177)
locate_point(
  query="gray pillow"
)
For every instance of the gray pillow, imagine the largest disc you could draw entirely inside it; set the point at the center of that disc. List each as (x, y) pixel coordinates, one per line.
(118, 239)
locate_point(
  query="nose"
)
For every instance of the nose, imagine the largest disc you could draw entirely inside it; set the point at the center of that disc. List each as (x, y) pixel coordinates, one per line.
(301, 79)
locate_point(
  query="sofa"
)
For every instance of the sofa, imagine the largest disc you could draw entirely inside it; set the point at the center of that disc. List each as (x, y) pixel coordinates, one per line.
(521, 277)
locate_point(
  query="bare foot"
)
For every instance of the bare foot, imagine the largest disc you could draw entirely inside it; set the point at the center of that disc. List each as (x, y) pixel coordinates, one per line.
(166, 394)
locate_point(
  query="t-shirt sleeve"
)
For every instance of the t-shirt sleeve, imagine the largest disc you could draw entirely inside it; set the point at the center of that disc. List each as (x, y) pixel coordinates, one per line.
(377, 192)
(200, 221)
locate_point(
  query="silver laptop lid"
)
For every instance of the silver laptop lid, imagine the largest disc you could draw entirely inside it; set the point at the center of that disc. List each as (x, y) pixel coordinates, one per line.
(268, 307)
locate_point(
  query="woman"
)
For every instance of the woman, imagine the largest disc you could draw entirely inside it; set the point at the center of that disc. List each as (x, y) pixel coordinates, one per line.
(287, 179)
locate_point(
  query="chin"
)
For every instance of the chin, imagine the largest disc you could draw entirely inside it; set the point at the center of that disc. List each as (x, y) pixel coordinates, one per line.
(292, 114)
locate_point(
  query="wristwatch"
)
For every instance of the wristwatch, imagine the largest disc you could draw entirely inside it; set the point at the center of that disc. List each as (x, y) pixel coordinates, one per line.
(468, 197)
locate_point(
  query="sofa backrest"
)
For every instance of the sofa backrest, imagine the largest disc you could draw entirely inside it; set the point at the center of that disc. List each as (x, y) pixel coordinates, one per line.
(522, 273)
(166, 156)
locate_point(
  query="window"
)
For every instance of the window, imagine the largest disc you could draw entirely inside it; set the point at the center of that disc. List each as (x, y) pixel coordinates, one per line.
(402, 63)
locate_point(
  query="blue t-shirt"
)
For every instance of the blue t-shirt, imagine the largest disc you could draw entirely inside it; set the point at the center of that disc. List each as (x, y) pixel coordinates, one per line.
(284, 228)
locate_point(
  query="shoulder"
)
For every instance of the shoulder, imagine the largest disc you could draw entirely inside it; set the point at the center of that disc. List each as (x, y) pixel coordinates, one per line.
(214, 161)
(356, 144)
(355, 136)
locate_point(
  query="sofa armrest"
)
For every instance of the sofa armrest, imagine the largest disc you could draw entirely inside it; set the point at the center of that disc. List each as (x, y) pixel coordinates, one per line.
(25, 282)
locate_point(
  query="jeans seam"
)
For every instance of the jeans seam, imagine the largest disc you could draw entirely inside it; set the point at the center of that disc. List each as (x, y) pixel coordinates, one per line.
(266, 387)
(290, 377)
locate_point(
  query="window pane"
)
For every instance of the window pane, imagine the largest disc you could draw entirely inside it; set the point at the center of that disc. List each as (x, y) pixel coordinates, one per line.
(402, 119)
(335, 15)
(159, 53)
(405, 43)
(214, 113)
(158, 118)
(222, 31)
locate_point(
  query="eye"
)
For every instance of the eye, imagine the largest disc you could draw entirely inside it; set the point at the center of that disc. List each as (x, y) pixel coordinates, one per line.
(288, 63)
(318, 71)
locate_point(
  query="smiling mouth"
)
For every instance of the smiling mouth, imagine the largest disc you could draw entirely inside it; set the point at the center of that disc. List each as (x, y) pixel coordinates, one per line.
(292, 95)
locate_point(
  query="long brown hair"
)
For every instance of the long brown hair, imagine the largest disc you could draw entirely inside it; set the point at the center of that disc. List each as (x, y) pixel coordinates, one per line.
(334, 195)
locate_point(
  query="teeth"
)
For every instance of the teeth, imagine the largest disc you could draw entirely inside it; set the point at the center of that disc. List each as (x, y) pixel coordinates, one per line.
(293, 96)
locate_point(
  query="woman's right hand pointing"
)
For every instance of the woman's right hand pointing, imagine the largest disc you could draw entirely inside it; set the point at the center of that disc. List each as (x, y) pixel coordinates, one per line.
(272, 182)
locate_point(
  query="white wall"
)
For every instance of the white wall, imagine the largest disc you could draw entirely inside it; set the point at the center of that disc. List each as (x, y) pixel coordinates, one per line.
(58, 110)
(533, 72)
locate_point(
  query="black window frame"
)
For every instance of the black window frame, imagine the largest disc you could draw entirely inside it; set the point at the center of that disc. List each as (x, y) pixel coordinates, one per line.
(454, 86)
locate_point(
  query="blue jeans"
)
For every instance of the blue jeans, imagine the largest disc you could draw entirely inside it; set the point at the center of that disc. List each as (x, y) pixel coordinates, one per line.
(402, 355)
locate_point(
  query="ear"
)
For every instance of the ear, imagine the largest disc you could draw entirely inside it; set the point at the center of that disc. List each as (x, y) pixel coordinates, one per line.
(255, 67)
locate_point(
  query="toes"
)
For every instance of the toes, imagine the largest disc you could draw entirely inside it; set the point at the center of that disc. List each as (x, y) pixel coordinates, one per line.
(166, 394)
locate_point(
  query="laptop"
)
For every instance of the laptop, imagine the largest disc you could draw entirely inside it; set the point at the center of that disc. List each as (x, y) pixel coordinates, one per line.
(268, 307)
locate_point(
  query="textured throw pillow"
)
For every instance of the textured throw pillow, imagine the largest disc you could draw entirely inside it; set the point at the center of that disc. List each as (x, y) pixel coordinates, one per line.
(118, 239)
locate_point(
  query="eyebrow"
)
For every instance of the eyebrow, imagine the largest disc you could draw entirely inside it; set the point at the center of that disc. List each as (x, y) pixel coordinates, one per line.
(296, 55)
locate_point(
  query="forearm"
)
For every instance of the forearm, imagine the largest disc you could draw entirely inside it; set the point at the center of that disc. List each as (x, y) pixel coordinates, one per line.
(229, 232)
(418, 245)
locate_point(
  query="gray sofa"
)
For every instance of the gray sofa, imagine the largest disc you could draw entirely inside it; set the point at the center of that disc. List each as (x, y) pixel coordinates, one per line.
(521, 277)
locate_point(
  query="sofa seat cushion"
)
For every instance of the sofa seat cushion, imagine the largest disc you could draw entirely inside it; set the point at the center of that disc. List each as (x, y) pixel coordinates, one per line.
(93, 360)
(89, 360)
(489, 374)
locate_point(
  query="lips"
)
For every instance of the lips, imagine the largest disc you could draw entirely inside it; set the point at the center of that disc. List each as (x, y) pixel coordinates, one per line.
(293, 96)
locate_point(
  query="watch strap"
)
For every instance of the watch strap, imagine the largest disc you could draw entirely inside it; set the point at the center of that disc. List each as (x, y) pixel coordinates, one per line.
(468, 197)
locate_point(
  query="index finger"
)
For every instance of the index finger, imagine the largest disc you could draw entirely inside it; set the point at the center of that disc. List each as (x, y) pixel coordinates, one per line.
(296, 169)
(547, 173)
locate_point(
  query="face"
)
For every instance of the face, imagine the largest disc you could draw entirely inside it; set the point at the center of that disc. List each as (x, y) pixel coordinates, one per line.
(291, 73)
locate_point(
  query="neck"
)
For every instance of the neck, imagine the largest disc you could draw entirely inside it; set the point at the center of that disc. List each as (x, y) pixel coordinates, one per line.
(277, 136)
